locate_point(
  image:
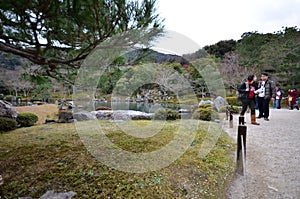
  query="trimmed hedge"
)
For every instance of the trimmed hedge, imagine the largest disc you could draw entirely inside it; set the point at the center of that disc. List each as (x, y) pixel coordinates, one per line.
(166, 114)
(7, 124)
(233, 101)
(27, 119)
(208, 106)
(236, 109)
(206, 114)
(205, 106)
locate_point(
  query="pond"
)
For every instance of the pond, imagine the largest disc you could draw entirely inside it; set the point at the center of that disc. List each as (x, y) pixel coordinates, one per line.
(141, 106)
(19, 102)
(146, 107)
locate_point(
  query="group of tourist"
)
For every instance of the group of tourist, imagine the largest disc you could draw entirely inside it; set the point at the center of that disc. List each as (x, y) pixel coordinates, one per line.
(259, 94)
(292, 99)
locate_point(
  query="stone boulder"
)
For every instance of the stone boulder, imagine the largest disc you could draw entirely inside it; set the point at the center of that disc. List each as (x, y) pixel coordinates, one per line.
(103, 114)
(83, 116)
(7, 110)
(138, 115)
(122, 115)
(219, 102)
(53, 195)
(65, 116)
(202, 102)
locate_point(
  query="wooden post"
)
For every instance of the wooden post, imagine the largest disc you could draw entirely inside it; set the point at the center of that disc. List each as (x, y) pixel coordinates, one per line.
(241, 120)
(231, 117)
(227, 112)
(241, 146)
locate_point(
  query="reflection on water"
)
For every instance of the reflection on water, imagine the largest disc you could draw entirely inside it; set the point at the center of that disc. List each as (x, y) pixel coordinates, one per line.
(139, 106)
(19, 102)
(135, 106)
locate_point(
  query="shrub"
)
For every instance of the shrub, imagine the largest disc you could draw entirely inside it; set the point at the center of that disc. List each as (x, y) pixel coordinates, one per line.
(206, 114)
(7, 124)
(208, 106)
(233, 101)
(166, 114)
(8, 98)
(27, 119)
(235, 109)
(206, 99)
(205, 106)
(222, 109)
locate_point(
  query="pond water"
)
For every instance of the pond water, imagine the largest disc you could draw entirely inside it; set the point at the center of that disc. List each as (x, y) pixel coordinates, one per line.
(140, 106)
(20, 102)
(135, 106)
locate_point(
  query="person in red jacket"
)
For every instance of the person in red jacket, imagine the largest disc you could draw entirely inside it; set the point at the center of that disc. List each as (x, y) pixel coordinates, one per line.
(292, 97)
(248, 99)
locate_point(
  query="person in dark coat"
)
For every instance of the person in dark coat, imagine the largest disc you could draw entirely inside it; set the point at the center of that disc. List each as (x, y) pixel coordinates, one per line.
(266, 93)
(248, 98)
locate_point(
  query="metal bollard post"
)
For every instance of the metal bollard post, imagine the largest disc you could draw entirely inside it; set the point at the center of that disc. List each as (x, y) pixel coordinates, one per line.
(241, 146)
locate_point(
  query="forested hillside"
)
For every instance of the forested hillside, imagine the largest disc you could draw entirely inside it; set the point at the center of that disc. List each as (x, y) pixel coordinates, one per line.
(277, 53)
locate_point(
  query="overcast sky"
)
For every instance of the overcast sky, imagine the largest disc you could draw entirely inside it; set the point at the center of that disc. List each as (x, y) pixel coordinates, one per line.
(208, 21)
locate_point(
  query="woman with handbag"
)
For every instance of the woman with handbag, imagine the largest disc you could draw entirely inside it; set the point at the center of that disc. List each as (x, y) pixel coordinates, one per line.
(248, 89)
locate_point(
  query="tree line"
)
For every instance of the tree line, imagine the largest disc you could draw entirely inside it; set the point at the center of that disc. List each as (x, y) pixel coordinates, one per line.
(277, 53)
(51, 39)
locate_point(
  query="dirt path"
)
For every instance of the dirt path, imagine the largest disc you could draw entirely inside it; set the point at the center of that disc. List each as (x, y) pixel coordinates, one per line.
(273, 158)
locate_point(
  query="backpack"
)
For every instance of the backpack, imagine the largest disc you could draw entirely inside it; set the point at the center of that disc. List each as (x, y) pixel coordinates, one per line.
(239, 95)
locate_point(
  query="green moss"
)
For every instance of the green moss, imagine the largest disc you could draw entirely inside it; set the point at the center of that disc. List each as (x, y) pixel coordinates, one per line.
(52, 156)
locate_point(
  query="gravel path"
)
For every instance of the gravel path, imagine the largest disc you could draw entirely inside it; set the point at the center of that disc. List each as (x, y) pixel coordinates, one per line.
(273, 157)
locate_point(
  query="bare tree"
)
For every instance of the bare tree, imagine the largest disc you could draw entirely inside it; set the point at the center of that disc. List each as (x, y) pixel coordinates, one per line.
(14, 83)
(233, 73)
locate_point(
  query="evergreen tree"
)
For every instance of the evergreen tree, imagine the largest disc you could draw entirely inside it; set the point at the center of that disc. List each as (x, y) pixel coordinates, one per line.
(59, 34)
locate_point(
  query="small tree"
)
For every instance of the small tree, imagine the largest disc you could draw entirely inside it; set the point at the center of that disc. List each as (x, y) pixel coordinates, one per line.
(43, 91)
(232, 72)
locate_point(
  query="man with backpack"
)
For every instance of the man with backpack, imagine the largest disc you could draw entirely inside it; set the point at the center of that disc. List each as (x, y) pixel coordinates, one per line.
(266, 93)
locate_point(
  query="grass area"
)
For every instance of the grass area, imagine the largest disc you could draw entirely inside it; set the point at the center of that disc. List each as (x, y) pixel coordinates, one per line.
(44, 111)
(52, 157)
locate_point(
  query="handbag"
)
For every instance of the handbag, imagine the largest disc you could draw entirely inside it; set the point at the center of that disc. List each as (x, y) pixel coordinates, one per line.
(241, 95)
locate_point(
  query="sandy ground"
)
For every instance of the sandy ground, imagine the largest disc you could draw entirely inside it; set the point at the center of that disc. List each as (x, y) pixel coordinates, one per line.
(273, 157)
(43, 111)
